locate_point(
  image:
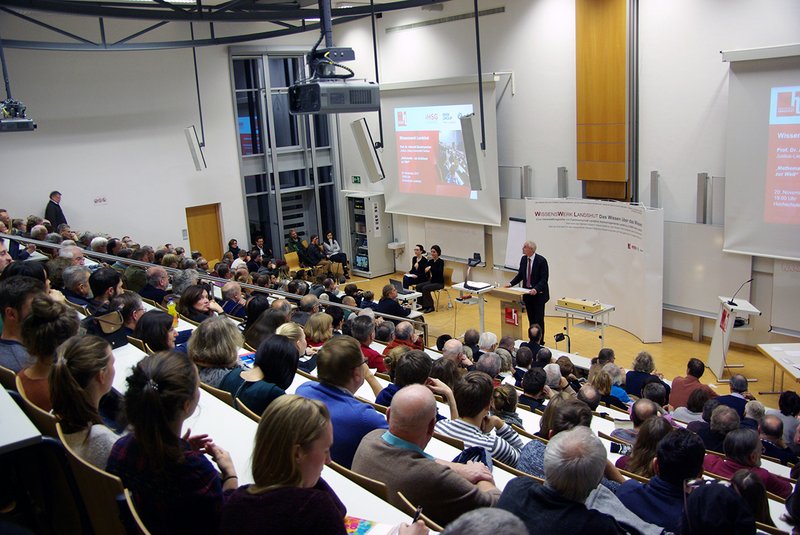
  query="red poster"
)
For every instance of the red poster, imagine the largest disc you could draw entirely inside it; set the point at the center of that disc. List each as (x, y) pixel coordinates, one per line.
(512, 318)
(723, 322)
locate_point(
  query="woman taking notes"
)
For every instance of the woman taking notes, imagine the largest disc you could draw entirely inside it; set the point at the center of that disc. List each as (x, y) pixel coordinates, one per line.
(435, 273)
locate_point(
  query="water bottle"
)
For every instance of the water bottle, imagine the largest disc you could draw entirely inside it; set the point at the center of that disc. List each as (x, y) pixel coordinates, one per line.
(172, 310)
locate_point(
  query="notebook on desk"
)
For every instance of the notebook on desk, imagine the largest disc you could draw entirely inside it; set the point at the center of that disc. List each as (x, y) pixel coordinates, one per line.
(399, 287)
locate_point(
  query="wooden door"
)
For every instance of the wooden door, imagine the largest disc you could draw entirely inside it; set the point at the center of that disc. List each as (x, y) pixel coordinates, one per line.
(205, 234)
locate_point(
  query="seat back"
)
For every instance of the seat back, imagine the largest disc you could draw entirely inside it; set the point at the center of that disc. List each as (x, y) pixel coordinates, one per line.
(378, 488)
(221, 395)
(102, 493)
(8, 378)
(292, 261)
(141, 529)
(138, 344)
(247, 411)
(410, 509)
(43, 420)
(456, 443)
(448, 276)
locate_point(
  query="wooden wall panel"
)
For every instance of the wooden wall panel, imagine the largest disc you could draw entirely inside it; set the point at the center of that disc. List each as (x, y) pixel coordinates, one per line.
(601, 97)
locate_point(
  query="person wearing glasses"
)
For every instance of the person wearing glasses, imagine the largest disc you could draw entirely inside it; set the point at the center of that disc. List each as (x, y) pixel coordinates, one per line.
(342, 369)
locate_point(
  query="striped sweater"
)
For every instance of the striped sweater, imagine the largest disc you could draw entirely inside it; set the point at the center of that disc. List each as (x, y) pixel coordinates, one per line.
(503, 446)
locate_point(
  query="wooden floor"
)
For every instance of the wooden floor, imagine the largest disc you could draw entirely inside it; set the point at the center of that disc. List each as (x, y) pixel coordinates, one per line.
(671, 355)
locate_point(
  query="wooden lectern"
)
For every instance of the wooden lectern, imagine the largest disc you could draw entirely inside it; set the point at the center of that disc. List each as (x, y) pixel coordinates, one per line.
(726, 319)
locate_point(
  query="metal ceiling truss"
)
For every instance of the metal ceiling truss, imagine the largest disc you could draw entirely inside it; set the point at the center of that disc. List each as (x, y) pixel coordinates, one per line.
(165, 12)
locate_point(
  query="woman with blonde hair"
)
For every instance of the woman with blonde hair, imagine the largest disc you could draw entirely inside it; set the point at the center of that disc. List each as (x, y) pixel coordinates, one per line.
(601, 381)
(319, 329)
(48, 325)
(308, 355)
(292, 447)
(214, 348)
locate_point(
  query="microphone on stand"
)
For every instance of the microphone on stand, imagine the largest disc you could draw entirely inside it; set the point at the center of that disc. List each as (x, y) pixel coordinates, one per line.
(731, 300)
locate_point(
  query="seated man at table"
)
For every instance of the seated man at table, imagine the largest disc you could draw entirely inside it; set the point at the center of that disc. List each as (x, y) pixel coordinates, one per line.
(772, 440)
(342, 369)
(474, 399)
(76, 285)
(443, 489)
(404, 335)
(641, 410)
(574, 461)
(723, 421)
(682, 387)
(679, 456)
(743, 451)
(736, 399)
(534, 389)
(389, 304)
(157, 284)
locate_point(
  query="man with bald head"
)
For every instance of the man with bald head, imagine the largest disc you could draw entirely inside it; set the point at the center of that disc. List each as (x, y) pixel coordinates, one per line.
(404, 335)
(454, 350)
(445, 490)
(641, 410)
(283, 305)
(157, 284)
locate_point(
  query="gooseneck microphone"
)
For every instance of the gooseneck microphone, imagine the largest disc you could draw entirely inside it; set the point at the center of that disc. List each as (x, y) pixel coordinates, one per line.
(731, 300)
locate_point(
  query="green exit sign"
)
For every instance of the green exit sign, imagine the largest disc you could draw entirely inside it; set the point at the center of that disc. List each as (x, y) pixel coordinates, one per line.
(356, 179)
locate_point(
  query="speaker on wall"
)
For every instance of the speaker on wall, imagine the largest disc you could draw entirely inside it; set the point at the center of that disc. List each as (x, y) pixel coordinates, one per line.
(195, 148)
(472, 148)
(367, 150)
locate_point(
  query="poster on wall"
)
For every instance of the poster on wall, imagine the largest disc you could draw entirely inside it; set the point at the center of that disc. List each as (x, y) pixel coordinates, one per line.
(611, 252)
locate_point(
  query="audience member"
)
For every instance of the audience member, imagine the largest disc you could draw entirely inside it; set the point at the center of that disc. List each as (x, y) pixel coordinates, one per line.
(789, 408)
(693, 411)
(81, 375)
(174, 486)
(753, 414)
(714, 507)
(643, 368)
(363, 330)
(105, 284)
(736, 399)
(750, 487)
(405, 335)
(682, 387)
(602, 383)
(196, 306)
(384, 332)
(723, 421)
(534, 342)
(389, 304)
(617, 382)
(589, 395)
(264, 327)
(504, 404)
(157, 283)
(679, 456)
(705, 422)
(743, 451)
(446, 371)
(135, 277)
(453, 351)
(473, 395)
(48, 325)
(534, 389)
(573, 465)
(309, 304)
(155, 329)
(486, 520)
(640, 461)
(233, 302)
(16, 294)
(76, 285)
(507, 351)
(272, 373)
(214, 348)
(490, 364)
(523, 364)
(772, 440)
(542, 358)
(641, 410)
(396, 457)
(471, 339)
(342, 369)
(307, 355)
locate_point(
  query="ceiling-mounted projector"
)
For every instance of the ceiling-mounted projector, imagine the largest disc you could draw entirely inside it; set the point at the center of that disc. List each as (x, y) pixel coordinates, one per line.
(322, 95)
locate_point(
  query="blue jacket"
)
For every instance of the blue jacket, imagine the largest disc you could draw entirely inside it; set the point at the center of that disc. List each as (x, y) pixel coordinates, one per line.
(657, 502)
(351, 419)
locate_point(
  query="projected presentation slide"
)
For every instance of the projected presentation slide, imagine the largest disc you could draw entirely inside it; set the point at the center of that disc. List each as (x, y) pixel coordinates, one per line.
(782, 193)
(430, 151)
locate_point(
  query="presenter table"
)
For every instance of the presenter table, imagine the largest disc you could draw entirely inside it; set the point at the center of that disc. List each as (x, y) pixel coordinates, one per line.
(479, 289)
(787, 356)
(410, 298)
(599, 318)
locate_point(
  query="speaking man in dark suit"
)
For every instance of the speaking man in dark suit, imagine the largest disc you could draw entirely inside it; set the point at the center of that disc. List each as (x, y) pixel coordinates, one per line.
(53, 212)
(533, 274)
